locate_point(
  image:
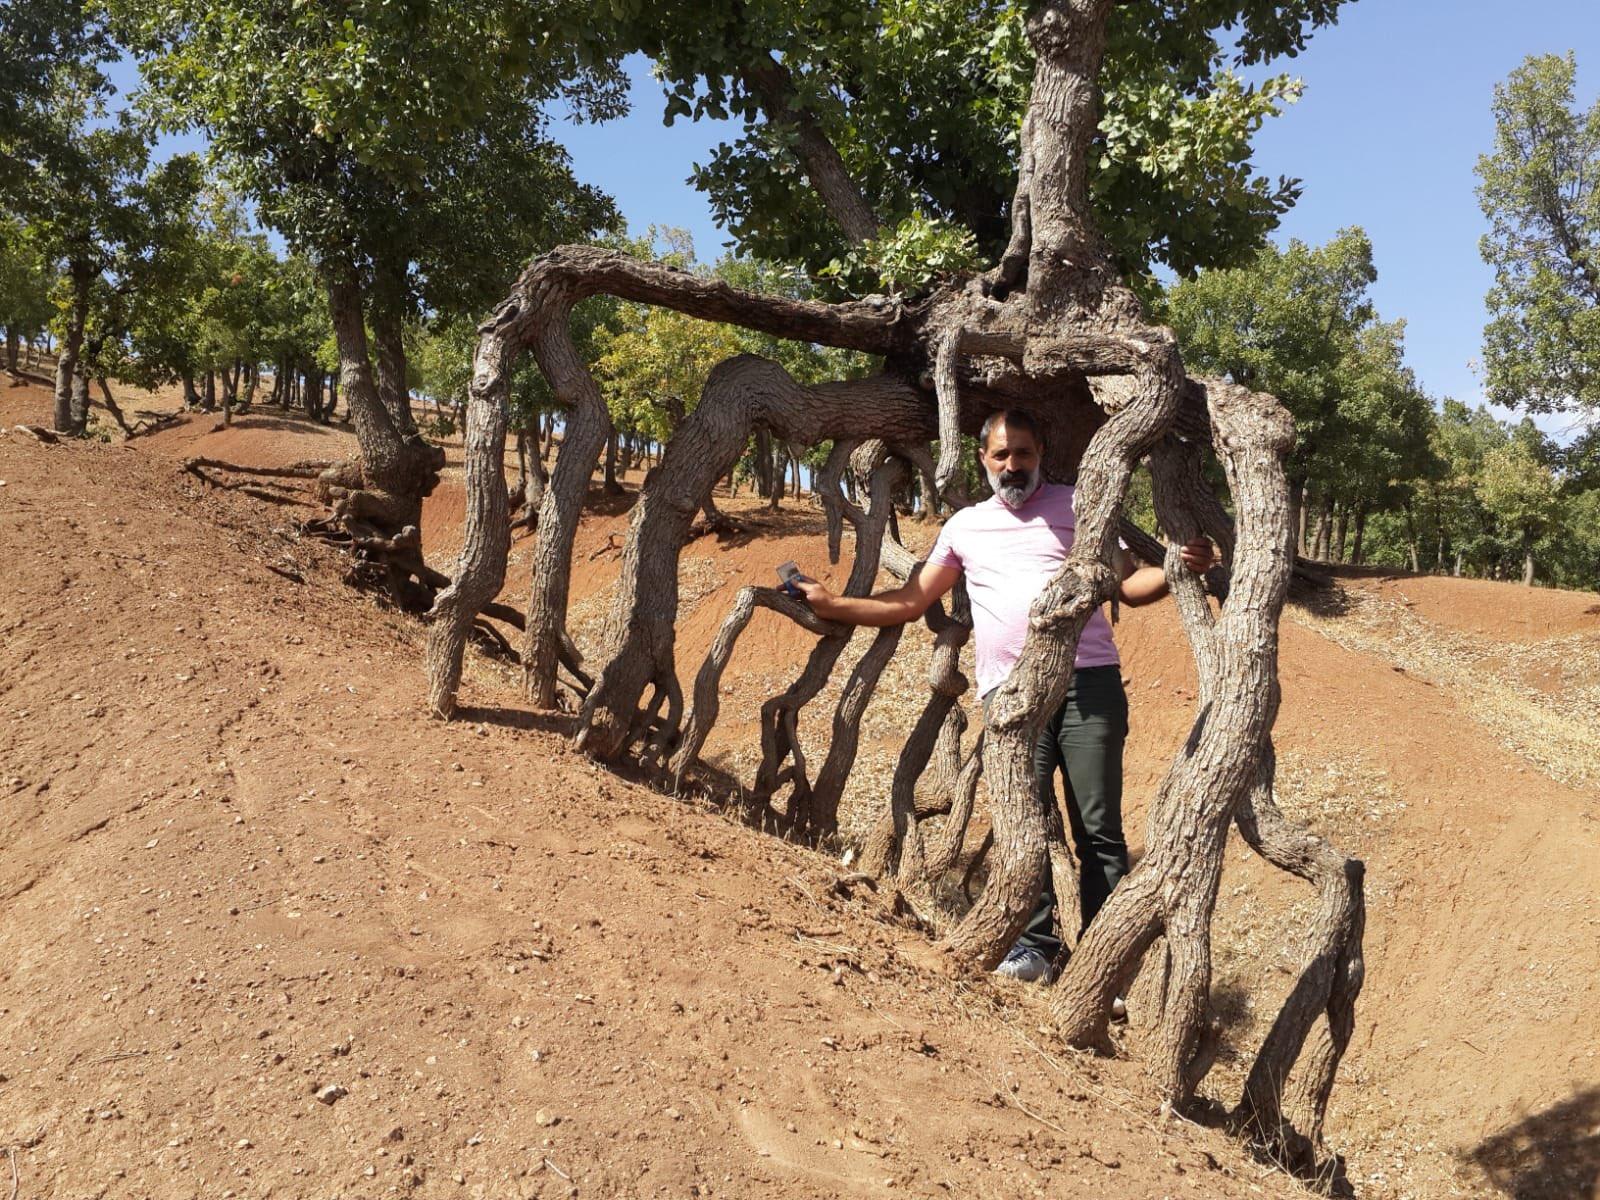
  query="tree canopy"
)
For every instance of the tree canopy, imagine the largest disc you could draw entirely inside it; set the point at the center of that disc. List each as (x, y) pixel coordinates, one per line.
(1540, 190)
(923, 101)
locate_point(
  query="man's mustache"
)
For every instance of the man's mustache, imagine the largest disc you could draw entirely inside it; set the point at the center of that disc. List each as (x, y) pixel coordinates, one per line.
(1015, 478)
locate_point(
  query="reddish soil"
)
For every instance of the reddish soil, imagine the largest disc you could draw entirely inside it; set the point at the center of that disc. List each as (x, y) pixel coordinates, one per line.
(241, 866)
(1495, 610)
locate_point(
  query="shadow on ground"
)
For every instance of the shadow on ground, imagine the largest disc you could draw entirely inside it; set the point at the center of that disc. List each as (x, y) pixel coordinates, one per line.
(1551, 1155)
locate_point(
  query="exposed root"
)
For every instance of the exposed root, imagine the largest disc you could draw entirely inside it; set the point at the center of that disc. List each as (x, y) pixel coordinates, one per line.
(1321, 1005)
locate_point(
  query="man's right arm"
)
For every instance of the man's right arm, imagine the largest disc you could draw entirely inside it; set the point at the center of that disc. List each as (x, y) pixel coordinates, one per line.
(905, 603)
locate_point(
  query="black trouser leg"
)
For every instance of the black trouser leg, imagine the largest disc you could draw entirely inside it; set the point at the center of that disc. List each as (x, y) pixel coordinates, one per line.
(1085, 737)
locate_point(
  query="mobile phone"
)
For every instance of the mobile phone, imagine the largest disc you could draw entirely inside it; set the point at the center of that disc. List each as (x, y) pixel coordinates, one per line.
(788, 573)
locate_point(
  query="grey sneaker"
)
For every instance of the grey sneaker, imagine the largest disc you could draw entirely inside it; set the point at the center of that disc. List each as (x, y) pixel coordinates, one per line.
(1027, 965)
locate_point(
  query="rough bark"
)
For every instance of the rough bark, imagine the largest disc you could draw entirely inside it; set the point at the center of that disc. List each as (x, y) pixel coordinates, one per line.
(769, 79)
(782, 756)
(71, 418)
(480, 567)
(1172, 891)
(1324, 994)
(1320, 550)
(940, 725)
(707, 691)
(80, 400)
(609, 482)
(1071, 284)
(398, 468)
(739, 394)
(388, 313)
(535, 316)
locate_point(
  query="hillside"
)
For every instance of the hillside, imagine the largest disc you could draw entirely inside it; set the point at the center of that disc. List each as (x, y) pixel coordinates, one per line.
(242, 867)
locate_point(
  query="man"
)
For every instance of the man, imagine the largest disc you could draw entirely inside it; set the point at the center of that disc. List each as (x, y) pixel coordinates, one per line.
(1010, 546)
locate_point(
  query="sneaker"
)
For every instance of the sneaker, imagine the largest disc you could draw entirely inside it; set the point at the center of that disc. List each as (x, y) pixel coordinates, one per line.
(1025, 964)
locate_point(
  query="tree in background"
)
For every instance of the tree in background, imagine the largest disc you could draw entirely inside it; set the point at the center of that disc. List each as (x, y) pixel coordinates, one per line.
(402, 148)
(1517, 485)
(27, 278)
(1540, 190)
(103, 213)
(1378, 443)
(1288, 322)
(46, 47)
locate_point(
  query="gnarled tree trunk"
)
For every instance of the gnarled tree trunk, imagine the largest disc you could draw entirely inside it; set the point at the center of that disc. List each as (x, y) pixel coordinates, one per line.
(71, 416)
(739, 394)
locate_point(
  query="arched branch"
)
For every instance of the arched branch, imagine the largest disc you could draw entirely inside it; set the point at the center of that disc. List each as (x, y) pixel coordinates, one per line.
(740, 394)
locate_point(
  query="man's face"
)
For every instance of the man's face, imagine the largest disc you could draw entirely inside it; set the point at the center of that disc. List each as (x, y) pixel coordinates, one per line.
(1011, 460)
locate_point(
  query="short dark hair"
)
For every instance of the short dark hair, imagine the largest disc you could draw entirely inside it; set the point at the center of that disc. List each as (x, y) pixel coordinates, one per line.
(1011, 418)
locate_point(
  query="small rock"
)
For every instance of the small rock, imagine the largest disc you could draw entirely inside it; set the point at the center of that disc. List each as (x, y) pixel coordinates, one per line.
(546, 1118)
(332, 1094)
(674, 1114)
(242, 1144)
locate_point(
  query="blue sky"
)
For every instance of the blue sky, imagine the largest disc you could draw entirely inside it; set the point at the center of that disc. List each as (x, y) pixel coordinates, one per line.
(1395, 114)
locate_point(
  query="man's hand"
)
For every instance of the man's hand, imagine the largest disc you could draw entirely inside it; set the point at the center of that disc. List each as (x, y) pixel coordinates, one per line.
(1144, 585)
(905, 603)
(1198, 555)
(815, 594)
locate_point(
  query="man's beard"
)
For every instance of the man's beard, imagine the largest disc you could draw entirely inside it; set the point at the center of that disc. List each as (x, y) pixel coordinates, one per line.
(1014, 487)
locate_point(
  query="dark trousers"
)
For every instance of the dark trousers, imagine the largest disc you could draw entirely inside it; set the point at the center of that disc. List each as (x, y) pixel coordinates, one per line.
(1085, 738)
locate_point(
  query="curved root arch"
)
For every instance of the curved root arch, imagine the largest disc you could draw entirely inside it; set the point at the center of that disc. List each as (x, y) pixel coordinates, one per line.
(537, 316)
(812, 810)
(740, 395)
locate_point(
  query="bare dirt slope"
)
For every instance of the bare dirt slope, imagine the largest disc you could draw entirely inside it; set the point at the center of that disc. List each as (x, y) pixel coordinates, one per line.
(265, 930)
(194, 734)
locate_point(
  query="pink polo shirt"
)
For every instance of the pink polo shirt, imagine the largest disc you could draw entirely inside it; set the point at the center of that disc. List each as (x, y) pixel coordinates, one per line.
(1008, 555)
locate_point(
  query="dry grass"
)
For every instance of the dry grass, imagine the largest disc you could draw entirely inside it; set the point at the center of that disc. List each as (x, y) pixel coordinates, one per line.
(1553, 727)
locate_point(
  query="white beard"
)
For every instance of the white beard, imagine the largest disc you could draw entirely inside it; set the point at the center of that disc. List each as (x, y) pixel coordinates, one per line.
(1014, 495)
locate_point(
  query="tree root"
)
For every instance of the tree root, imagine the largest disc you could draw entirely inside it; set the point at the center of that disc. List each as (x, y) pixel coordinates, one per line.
(1329, 982)
(740, 395)
(811, 812)
(1173, 889)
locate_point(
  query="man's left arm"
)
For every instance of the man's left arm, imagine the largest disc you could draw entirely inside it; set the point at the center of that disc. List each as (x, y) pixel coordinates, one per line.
(1146, 585)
